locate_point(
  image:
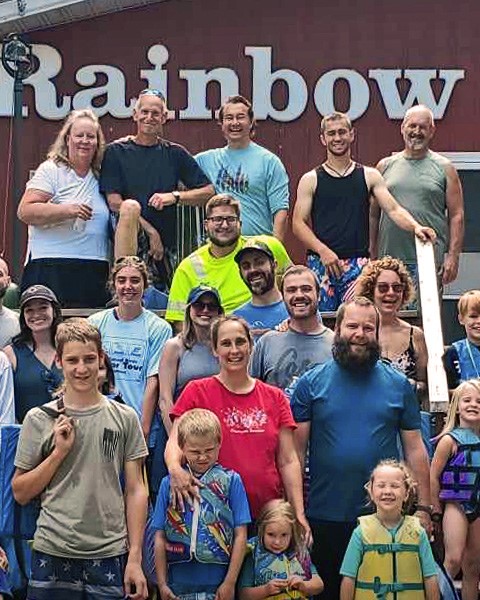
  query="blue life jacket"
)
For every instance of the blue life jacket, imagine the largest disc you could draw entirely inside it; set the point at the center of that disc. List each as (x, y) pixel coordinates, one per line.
(468, 359)
(206, 533)
(460, 480)
(268, 565)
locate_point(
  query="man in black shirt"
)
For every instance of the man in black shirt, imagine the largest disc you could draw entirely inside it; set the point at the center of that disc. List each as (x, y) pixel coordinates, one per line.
(148, 169)
(331, 215)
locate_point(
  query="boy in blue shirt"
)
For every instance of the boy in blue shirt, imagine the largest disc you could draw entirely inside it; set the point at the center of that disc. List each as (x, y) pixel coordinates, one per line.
(462, 359)
(201, 549)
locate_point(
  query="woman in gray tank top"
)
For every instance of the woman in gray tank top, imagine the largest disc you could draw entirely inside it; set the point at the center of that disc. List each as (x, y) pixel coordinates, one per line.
(189, 355)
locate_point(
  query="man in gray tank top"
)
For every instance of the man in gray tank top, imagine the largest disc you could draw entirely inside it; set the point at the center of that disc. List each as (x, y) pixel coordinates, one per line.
(428, 186)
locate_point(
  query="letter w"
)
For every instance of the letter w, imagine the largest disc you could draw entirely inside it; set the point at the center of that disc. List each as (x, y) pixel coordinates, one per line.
(420, 91)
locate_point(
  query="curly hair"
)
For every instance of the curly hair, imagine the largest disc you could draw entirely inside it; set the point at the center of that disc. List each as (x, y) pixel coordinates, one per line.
(365, 285)
(58, 151)
(410, 483)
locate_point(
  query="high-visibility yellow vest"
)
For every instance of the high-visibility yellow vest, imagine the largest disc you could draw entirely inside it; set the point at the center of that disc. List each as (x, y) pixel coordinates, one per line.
(391, 567)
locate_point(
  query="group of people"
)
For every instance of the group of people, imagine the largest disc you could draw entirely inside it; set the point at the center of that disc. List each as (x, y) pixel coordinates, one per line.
(249, 427)
(89, 201)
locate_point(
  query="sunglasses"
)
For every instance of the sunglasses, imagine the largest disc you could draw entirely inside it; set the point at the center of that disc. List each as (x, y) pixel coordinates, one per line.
(397, 288)
(152, 92)
(211, 306)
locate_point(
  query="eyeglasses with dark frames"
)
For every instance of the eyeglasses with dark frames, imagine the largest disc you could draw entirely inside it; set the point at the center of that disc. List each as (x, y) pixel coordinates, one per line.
(217, 220)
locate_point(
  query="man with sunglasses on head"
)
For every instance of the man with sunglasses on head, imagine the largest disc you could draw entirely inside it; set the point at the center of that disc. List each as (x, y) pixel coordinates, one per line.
(148, 169)
(251, 173)
(214, 263)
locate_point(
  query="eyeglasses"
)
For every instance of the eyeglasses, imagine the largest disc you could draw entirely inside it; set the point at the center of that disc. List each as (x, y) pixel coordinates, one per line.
(230, 220)
(211, 306)
(152, 92)
(397, 288)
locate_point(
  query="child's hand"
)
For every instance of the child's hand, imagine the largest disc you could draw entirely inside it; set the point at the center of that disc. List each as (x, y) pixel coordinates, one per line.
(226, 591)
(166, 593)
(295, 582)
(3, 560)
(275, 586)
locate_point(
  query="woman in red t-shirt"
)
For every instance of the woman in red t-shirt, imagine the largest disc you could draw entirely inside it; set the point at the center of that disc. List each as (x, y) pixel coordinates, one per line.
(257, 424)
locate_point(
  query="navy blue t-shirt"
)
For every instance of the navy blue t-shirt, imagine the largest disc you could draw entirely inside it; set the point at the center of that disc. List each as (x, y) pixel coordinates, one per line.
(355, 419)
(137, 172)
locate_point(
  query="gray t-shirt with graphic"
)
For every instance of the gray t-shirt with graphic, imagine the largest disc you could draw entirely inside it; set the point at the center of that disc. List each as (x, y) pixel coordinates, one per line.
(279, 358)
(82, 508)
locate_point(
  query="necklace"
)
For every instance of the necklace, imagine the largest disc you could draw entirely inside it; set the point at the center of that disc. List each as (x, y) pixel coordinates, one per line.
(340, 174)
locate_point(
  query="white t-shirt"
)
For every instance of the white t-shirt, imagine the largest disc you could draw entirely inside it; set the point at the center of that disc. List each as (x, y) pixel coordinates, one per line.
(61, 240)
(9, 325)
(7, 410)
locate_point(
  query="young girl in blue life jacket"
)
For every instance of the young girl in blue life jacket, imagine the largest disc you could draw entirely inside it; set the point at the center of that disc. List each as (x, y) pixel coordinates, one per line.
(277, 564)
(389, 556)
(455, 482)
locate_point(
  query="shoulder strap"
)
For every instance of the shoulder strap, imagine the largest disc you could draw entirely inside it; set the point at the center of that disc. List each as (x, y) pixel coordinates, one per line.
(51, 412)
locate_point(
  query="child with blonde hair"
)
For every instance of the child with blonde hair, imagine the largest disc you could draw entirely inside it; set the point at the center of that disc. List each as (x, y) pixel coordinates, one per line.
(200, 549)
(455, 482)
(389, 554)
(462, 359)
(278, 565)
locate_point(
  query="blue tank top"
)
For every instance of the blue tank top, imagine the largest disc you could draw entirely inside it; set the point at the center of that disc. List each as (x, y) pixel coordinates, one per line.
(195, 363)
(340, 212)
(33, 382)
(468, 359)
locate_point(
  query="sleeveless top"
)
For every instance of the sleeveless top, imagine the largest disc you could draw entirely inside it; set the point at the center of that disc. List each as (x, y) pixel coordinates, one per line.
(460, 480)
(34, 383)
(195, 363)
(206, 532)
(391, 566)
(468, 359)
(340, 212)
(406, 361)
(269, 565)
(419, 185)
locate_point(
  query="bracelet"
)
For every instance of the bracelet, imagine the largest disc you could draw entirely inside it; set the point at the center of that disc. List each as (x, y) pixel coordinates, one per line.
(436, 517)
(424, 508)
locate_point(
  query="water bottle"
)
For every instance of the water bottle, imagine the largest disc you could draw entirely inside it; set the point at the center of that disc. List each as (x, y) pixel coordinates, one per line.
(79, 224)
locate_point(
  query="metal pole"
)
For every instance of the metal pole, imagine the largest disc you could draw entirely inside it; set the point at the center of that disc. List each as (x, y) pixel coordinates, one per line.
(16, 188)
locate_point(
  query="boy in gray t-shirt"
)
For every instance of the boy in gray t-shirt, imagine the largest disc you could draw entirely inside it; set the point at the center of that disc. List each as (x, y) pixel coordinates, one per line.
(89, 533)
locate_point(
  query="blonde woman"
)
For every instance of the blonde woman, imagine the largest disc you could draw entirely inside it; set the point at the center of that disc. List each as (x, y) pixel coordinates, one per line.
(67, 217)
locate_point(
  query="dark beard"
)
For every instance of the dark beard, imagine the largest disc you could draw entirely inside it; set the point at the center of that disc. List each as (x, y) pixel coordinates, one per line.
(266, 285)
(343, 355)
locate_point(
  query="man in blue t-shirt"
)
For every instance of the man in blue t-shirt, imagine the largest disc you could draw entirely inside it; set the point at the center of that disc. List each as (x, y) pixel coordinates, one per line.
(350, 411)
(266, 309)
(249, 172)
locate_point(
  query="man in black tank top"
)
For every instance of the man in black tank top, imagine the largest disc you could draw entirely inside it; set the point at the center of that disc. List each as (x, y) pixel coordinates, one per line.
(331, 215)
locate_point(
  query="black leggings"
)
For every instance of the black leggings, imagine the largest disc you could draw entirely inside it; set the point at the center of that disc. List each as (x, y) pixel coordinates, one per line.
(330, 540)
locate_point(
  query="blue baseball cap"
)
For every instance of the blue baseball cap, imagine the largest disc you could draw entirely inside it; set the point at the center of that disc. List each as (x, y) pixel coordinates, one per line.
(198, 291)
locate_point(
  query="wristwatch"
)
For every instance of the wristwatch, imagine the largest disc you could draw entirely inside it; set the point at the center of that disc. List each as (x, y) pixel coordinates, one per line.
(176, 195)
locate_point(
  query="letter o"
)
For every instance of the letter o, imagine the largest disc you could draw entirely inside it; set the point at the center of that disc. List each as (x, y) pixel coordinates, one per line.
(323, 94)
